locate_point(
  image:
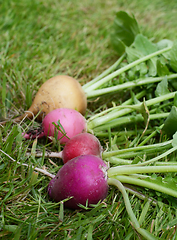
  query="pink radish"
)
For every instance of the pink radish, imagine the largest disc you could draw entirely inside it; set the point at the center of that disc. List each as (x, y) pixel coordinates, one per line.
(70, 123)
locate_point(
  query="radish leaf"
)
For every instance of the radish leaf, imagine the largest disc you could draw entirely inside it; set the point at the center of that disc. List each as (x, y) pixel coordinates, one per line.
(170, 126)
(175, 100)
(173, 56)
(162, 88)
(125, 29)
(144, 45)
(162, 69)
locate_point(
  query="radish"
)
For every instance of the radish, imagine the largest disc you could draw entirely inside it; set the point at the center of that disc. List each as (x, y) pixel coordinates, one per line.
(81, 144)
(83, 178)
(71, 124)
(64, 123)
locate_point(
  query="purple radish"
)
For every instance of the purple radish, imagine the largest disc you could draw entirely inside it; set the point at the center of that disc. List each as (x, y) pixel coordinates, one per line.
(83, 178)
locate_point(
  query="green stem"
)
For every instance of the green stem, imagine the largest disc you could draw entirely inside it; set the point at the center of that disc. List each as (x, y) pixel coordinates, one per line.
(119, 161)
(105, 73)
(132, 216)
(125, 120)
(140, 154)
(133, 149)
(146, 184)
(140, 195)
(115, 109)
(123, 134)
(159, 157)
(124, 170)
(165, 163)
(127, 85)
(121, 188)
(123, 69)
(116, 114)
(150, 136)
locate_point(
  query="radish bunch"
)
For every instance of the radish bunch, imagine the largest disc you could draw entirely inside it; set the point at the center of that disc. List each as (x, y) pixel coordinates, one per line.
(83, 178)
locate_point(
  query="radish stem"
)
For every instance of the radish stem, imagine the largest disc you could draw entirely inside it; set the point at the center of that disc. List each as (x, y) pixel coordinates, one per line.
(133, 169)
(147, 235)
(116, 108)
(116, 114)
(127, 85)
(146, 184)
(126, 120)
(106, 72)
(123, 69)
(139, 148)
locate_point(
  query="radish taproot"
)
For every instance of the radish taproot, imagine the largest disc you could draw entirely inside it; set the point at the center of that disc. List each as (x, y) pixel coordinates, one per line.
(83, 178)
(81, 144)
(64, 123)
(60, 91)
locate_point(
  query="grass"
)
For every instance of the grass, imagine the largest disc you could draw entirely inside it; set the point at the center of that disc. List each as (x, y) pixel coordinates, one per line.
(38, 40)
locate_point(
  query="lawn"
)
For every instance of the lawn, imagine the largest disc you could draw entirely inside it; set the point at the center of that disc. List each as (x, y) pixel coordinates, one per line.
(41, 39)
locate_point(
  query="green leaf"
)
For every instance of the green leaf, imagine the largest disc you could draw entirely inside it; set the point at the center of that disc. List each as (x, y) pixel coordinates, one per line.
(133, 96)
(33, 149)
(118, 45)
(125, 29)
(162, 69)
(133, 54)
(162, 88)
(170, 126)
(159, 184)
(11, 228)
(175, 100)
(163, 44)
(61, 212)
(173, 56)
(164, 183)
(174, 83)
(152, 65)
(10, 139)
(90, 231)
(34, 177)
(143, 44)
(17, 234)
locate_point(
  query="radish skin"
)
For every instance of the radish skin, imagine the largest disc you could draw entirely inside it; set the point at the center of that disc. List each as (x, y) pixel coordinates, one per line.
(83, 178)
(81, 144)
(71, 120)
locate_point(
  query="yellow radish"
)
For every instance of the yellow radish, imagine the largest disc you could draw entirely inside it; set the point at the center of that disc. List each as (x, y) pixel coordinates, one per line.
(60, 91)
